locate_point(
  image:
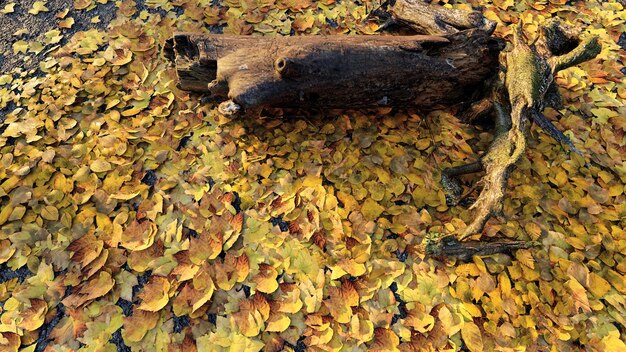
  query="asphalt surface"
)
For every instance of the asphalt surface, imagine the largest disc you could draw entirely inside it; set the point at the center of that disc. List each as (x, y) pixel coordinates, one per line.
(34, 28)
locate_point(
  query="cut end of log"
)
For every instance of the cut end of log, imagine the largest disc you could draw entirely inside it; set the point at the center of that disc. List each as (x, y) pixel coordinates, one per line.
(194, 68)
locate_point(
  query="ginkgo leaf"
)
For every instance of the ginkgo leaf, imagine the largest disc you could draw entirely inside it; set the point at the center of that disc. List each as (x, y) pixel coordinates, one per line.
(100, 165)
(139, 235)
(33, 317)
(20, 46)
(137, 325)
(38, 6)
(8, 8)
(155, 294)
(266, 279)
(472, 337)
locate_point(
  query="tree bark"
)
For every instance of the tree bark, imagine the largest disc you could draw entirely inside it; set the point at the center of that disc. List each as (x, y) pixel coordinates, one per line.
(336, 71)
(427, 18)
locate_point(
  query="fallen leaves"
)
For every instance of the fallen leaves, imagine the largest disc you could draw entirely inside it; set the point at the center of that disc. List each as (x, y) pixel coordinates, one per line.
(90, 290)
(38, 6)
(155, 294)
(20, 46)
(139, 235)
(8, 8)
(34, 316)
(340, 302)
(284, 232)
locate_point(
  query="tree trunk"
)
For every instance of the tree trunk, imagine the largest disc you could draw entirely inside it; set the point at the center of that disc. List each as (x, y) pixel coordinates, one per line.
(335, 71)
(428, 18)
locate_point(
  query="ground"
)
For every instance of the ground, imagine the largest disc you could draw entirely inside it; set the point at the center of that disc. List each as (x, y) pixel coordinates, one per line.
(35, 27)
(134, 216)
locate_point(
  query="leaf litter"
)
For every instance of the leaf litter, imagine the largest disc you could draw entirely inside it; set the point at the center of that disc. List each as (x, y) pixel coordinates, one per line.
(135, 215)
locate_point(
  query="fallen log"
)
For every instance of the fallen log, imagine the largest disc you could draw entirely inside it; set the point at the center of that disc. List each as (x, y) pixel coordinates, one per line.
(428, 18)
(336, 71)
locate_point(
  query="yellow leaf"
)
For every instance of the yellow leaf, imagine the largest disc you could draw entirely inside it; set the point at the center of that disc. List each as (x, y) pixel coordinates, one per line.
(578, 294)
(7, 251)
(617, 280)
(20, 46)
(205, 247)
(155, 294)
(613, 342)
(85, 249)
(53, 36)
(420, 320)
(341, 300)
(472, 337)
(525, 257)
(277, 323)
(138, 324)
(38, 6)
(34, 317)
(303, 22)
(66, 23)
(139, 235)
(451, 323)
(5, 212)
(100, 165)
(504, 4)
(9, 8)
(385, 340)
(598, 285)
(290, 299)
(371, 209)
(9, 342)
(131, 112)
(251, 315)
(82, 4)
(351, 267)
(266, 279)
(118, 57)
(94, 288)
(50, 213)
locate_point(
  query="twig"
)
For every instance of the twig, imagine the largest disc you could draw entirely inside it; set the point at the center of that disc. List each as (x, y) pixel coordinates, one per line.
(450, 246)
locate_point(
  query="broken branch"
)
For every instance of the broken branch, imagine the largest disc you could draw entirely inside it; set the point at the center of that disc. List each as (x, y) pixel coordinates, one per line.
(449, 246)
(434, 19)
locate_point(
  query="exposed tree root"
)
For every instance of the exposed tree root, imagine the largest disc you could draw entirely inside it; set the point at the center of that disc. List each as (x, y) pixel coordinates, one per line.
(529, 85)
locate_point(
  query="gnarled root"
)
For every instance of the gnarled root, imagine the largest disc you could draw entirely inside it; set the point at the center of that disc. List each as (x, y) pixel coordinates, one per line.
(498, 163)
(529, 83)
